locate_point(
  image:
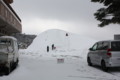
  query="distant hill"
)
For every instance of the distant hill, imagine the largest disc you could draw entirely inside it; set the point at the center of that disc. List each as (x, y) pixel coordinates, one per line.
(24, 40)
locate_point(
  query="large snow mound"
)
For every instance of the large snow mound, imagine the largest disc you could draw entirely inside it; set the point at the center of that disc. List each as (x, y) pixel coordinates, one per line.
(62, 40)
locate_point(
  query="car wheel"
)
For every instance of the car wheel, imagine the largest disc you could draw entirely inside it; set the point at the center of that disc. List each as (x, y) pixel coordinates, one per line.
(8, 70)
(89, 61)
(16, 64)
(103, 66)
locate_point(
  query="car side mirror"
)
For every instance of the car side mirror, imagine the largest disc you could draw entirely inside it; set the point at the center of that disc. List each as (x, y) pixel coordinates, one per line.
(90, 49)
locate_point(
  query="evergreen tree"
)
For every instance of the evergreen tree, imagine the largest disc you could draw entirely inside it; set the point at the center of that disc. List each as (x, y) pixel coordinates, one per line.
(110, 13)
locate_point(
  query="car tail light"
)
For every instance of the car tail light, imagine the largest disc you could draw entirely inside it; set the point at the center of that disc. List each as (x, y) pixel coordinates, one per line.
(109, 50)
(109, 53)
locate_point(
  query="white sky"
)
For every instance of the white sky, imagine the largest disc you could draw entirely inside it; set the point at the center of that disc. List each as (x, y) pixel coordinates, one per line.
(75, 16)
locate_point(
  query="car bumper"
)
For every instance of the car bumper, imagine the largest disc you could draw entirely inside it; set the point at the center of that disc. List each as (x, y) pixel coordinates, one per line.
(113, 63)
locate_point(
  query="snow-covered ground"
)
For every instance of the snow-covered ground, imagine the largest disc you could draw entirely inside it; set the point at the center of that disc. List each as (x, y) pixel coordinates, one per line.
(38, 64)
(46, 67)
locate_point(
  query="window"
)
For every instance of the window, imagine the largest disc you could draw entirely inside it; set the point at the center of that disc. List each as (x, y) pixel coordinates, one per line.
(95, 46)
(105, 45)
(6, 45)
(100, 45)
(115, 46)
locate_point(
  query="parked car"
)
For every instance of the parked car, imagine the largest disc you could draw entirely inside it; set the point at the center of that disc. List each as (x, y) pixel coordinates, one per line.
(105, 54)
(8, 53)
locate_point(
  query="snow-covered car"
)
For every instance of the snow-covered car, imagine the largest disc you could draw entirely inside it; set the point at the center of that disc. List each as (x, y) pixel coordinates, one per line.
(105, 54)
(9, 56)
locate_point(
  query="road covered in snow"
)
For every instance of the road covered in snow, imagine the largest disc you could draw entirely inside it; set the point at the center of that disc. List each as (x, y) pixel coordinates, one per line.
(47, 67)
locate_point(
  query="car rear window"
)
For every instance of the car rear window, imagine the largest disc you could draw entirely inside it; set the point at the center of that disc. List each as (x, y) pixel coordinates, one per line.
(115, 46)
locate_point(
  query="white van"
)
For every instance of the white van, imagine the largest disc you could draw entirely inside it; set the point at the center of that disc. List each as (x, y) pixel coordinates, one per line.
(105, 54)
(9, 56)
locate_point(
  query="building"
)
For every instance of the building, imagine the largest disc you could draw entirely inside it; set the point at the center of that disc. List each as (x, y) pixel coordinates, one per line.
(10, 23)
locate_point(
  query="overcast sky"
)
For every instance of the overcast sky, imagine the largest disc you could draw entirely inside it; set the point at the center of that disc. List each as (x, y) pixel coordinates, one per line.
(75, 16)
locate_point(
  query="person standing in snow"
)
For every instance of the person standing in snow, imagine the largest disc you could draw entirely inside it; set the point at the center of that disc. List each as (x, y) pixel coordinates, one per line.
(52, 46)
(47, 48)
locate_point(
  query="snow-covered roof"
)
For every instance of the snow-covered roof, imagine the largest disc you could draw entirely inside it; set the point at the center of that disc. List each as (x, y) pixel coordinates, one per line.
(8, 37)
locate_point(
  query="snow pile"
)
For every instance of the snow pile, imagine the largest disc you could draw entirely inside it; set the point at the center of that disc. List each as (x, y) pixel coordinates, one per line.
(63, 41)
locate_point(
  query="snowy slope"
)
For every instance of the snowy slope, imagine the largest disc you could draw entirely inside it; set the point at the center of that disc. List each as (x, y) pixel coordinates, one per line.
(63, 43)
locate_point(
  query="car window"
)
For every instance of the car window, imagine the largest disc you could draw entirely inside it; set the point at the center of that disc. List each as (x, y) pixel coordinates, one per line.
(105, 45)
(100, 45)
(115, 46)
(6, 45)
(95, 46)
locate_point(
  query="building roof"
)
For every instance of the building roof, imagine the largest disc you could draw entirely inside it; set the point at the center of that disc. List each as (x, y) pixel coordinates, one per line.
(12, 9)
